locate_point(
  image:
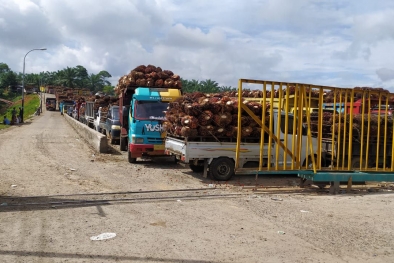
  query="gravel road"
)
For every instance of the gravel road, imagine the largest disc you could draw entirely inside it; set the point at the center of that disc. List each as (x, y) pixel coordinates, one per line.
(56, 193)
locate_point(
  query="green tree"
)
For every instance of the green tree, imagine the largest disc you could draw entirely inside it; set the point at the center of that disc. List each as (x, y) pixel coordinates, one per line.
(4, 68)
(8, 79)
(109, 90)
(96, 82)
(69, 77)
(226, 88)
(82, 75)
(209, 86)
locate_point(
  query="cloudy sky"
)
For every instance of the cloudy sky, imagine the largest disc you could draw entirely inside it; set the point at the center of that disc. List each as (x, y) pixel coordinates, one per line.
(325, 42)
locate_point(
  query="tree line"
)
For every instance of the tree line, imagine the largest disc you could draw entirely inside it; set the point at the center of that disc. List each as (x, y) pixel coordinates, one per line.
(78, 77)
(71, 77)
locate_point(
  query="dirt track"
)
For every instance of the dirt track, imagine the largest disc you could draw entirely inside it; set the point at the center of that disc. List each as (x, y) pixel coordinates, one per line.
(56, 193)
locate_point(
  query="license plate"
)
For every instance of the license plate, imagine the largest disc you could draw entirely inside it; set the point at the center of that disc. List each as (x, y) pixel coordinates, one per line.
(159, 147)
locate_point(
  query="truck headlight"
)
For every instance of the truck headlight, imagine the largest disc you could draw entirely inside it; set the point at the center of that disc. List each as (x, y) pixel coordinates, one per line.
(135, 140)
(115, 127)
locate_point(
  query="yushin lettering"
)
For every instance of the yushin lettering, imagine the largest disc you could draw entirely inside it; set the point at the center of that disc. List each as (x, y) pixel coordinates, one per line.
(161, 98)
(157, 127)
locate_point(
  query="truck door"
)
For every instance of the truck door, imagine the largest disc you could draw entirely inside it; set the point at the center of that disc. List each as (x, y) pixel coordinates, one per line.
(286, 138)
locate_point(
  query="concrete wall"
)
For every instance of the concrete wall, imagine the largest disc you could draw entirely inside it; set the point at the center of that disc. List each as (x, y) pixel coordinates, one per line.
(94, 138)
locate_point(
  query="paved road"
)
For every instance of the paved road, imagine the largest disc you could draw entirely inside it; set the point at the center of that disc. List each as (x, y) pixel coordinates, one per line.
(56, 193)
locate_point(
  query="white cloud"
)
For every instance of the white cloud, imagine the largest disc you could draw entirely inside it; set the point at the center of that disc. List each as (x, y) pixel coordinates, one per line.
(326, 42)
(385, 74)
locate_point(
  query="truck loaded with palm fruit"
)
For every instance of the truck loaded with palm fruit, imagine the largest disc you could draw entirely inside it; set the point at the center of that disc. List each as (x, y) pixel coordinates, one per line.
(264, 131)
(144, 95)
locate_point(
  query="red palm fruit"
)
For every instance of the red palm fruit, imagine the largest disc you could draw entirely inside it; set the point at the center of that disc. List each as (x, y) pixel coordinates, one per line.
(140, 68)
(215, 107)
(230, 131)
(219, 132)
(159, 83)
(188, 132)
(189, 121)
(169, 83)
(228, 106)
(206, 130)
(222, 119)
(205, 118)
(150, 82)
(168, 72)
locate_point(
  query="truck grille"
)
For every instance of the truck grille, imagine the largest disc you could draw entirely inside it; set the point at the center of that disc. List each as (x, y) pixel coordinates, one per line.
(155, 140)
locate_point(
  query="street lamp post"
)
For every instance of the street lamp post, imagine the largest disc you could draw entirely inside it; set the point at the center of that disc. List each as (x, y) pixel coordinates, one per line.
(23, 82)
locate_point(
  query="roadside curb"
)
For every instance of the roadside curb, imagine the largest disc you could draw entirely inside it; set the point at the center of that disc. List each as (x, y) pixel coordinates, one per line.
(94, 138)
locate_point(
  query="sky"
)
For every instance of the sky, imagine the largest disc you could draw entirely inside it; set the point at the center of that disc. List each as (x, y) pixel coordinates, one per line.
(324, 42)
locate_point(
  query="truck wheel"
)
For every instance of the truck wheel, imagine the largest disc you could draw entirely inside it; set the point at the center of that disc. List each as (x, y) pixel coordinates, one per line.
(196, 168)
(123, 143)
(131, 159)
(222, 169)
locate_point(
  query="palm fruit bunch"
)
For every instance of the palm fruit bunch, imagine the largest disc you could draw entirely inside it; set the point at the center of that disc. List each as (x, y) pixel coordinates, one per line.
(188, 132)
(205, 131)
(370, 93)
(205, 118)
(371, 126)
(211, 115)
(148, 76)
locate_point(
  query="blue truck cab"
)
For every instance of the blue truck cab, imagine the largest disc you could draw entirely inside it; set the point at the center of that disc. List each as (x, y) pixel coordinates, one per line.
(63, 104)
(142, 111)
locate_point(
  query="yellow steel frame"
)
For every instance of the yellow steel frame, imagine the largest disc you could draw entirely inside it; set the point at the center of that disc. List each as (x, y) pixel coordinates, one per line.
(342, 140)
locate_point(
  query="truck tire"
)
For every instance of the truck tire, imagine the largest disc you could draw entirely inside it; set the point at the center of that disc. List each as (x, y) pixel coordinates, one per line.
(222, 169)
(196, 168)
(131, 159)
(123, 143)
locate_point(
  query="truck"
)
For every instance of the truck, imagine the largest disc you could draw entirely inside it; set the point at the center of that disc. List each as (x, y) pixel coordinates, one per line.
(50, 104)
(99, 120)
(356, 147)
(64, 104)
(89, 114)
(217, 157)
(112, 125)
(141, 113)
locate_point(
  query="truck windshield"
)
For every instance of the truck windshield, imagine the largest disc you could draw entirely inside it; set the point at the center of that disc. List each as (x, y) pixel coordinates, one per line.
(115, 114)
(150, 110)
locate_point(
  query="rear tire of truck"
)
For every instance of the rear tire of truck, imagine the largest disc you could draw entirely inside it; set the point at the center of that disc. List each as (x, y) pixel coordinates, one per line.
(123, 143)
(196, 168)
(222, 169)
(131, 159)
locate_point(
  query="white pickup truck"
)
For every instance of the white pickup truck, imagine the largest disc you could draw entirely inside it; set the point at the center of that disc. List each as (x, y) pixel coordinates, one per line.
(218, 158)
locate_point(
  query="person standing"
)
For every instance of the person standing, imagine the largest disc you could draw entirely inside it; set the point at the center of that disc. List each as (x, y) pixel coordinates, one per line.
(13, 118)
(20, 113)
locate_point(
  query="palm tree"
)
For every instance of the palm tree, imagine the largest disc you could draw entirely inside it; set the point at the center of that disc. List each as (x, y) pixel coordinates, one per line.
(96, 82)
(82, 75)
(209, 86)
(68, 77)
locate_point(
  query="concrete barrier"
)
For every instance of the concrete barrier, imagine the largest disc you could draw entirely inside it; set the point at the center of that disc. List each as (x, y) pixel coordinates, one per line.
(93, 137)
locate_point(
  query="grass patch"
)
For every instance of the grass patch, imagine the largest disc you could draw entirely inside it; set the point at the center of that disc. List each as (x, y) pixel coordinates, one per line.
(32, 102)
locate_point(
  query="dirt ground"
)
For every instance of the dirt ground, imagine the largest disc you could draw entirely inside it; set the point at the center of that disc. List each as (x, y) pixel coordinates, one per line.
(56, 193)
